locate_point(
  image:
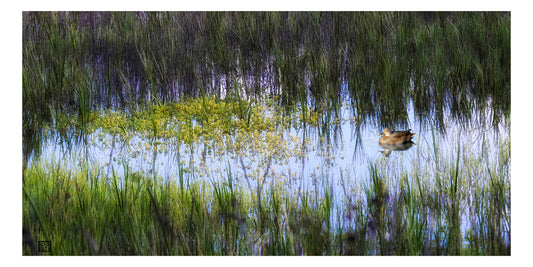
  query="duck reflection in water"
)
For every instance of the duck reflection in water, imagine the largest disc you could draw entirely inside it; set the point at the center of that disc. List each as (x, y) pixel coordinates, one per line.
(395, 140)
(398, 147)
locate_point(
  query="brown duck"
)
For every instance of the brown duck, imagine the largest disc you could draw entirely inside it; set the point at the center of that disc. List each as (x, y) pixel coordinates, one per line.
(389, 137)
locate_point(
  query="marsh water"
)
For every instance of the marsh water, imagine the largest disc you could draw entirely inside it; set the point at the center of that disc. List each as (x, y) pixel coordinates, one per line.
(309, 157)
(341, 163)
(325, 85)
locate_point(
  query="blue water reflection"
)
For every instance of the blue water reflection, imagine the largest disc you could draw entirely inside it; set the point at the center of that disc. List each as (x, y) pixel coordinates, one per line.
(308, 160)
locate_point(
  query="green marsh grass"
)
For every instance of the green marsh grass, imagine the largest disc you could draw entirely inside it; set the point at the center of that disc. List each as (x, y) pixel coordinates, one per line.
(84, 211)
(379, 60)
(204, 76)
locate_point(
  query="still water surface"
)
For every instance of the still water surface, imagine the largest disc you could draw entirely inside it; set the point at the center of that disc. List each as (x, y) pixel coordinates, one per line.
(309, 162)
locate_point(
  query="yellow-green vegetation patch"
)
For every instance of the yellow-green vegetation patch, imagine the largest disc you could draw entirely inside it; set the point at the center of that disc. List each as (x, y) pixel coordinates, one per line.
(224, 126)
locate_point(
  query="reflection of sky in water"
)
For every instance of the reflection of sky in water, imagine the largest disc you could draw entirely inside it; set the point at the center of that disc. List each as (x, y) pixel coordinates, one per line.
(344, 164)
(342, 154)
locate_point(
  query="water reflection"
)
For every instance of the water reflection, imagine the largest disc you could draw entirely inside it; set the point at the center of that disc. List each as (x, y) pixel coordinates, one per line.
(313, 154)
(388, 148)
(368, 84)
(344, 159)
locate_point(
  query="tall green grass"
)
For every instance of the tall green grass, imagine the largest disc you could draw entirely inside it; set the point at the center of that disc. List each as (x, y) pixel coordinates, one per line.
(75, 63)
(460, 207)
(445, 60)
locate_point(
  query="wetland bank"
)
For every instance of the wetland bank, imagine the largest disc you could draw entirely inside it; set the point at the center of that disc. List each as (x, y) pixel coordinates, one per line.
(256, 133)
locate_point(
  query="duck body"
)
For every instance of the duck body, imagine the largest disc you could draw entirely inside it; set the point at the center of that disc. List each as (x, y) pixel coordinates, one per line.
(389, 137)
